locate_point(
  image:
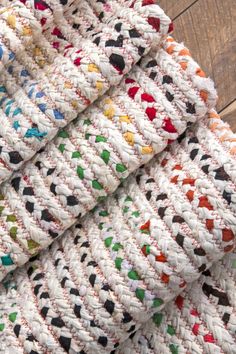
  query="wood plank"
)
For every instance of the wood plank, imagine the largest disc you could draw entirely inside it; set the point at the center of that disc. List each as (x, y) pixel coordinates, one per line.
(229, 115)
(173, 8)
(208, 28)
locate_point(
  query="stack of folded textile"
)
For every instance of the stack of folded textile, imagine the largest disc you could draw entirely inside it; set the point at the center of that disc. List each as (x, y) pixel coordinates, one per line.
(93, 260)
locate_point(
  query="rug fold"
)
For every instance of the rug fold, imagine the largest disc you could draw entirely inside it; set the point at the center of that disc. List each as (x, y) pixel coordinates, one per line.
(90, 158)
(52, 68)
(118, 229)
(138, 255)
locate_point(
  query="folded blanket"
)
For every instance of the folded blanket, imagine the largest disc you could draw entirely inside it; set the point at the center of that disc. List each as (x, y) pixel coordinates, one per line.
(88, 160)
(133, 254)
(52, 68)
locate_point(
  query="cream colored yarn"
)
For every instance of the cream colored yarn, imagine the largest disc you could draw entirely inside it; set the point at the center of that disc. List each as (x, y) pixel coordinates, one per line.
(52, 68)
(131, 256)
(88, 160)
(145, 268)
(200, 320)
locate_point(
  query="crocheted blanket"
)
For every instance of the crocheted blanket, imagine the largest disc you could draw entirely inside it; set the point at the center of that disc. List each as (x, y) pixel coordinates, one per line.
(138, 269)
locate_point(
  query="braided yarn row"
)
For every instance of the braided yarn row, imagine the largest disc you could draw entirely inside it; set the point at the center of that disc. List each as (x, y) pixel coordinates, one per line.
(53, 68)
(87, 161)
(201, 320)
(127, 259)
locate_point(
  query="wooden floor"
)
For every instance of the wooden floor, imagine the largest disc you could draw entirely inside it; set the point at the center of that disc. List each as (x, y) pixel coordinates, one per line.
(208, 28)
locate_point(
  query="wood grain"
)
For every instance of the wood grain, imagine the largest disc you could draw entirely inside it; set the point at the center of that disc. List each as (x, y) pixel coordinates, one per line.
(174, 8)
(208, 28)
(229, 115)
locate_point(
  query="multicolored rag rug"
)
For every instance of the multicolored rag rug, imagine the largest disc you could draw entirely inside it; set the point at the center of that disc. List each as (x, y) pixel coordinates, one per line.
(88, 160)
(117, 230)
(129, 258)
(56, 60)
